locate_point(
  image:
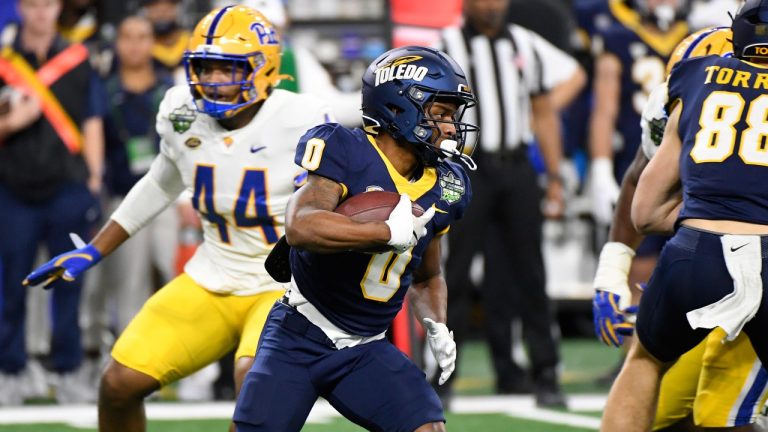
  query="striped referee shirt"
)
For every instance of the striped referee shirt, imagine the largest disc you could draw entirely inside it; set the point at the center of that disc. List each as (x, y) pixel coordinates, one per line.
(505, 72)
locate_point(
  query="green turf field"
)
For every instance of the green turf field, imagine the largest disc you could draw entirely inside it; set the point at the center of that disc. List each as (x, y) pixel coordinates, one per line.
(465, 422)
(584, 360)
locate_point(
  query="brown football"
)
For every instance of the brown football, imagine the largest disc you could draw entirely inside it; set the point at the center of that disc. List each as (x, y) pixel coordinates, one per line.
(373, 206)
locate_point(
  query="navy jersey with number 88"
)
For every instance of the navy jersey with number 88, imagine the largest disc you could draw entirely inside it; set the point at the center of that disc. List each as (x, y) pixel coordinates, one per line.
(724, 132)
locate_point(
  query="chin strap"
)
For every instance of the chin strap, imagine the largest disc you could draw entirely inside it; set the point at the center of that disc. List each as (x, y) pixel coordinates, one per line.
(468, 161)
(451, 147)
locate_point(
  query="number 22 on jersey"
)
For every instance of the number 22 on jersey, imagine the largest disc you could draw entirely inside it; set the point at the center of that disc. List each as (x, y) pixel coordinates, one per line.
(251, 207)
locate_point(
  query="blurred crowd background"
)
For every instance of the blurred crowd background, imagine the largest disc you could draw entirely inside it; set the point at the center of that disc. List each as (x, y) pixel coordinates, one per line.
(135, 48)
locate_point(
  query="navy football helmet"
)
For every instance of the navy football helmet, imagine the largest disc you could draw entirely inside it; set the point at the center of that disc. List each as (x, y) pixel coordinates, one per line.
(398, 88)
(750, 30)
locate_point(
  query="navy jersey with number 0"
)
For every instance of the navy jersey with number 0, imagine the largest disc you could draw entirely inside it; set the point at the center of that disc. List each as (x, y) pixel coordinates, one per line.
(724, 134)
(358, 292)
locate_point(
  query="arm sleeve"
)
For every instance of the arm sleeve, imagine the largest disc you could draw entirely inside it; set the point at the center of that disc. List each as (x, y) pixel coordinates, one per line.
(677, 82)
(151, 195)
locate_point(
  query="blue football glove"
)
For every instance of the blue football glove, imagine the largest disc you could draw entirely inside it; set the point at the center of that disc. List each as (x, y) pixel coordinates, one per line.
(66, 266)
(612, 323)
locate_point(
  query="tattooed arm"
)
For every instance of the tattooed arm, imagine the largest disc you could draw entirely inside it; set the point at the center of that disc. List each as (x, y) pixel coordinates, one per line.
(311, 223)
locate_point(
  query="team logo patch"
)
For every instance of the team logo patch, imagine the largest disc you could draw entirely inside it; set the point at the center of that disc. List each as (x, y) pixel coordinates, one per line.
(451, 188)
(192, 142)
(373, 188)
(182, 118)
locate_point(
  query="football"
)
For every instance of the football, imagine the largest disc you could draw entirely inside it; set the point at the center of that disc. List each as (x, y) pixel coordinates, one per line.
(373, 206)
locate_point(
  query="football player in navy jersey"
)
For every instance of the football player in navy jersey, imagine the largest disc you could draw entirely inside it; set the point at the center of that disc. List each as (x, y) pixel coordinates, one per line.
(706, 182)
(631, 54)
(326, 336)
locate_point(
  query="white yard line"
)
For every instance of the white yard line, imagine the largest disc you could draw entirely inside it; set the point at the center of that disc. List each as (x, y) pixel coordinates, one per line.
(514, 406)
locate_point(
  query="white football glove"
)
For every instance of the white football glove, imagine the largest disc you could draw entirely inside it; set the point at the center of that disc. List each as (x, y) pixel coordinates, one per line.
(443, 347)
(604, 190)
(405, 229)
(654, 120)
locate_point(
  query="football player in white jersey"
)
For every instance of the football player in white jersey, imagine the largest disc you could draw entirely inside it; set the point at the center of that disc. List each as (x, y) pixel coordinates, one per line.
(229, 140)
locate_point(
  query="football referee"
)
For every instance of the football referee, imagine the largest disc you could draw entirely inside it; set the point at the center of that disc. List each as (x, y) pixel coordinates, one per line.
(520, 81)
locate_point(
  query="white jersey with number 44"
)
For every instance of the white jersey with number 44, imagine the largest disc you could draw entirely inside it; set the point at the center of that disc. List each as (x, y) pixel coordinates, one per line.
(239, 182)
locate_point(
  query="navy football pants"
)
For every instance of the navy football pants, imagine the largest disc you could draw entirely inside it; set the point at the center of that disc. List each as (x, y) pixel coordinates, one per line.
(690, 274)
(373, 384)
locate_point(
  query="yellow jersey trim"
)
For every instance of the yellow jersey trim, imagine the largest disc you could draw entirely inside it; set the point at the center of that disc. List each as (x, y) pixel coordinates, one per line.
(663, 43)
(344, 191)
(414, 190)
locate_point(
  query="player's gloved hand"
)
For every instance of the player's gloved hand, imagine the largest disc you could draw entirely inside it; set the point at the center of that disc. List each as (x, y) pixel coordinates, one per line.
(653, 120)
(420, 223)
(611, 305)
(611, 322)
(67, 266)
(443, 347)
(406, 229)
(604, 190)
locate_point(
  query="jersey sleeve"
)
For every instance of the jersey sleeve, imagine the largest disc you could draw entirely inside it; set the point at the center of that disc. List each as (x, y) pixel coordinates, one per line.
(461, 188)
(466, 198)
(164, 126)
(679, 79)
(323, 151)
(653, 120)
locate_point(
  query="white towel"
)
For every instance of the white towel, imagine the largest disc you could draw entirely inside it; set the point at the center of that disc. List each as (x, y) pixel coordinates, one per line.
(743, 258)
